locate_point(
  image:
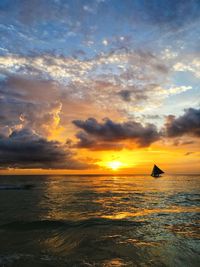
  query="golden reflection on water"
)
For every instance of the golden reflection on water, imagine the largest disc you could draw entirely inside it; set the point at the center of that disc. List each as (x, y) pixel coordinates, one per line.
(114, 263)
(142, 243)
(112, 197)
(141, 213)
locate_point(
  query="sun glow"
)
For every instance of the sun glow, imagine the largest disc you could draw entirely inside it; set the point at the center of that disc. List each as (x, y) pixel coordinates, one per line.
(114, 165)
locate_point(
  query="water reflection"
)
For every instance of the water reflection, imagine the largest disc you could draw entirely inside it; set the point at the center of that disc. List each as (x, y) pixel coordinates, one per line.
(113, 197)
(102, 221)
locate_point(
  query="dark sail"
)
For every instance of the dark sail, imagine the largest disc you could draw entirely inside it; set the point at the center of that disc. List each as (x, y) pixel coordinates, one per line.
(156, 171)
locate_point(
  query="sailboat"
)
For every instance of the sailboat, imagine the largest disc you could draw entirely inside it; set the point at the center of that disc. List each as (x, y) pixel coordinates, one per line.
(156, 172)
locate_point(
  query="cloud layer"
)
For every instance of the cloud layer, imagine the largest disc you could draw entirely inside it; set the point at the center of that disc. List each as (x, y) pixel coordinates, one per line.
(111, 132)
(187, 124)
(26, 149)
(112, 135)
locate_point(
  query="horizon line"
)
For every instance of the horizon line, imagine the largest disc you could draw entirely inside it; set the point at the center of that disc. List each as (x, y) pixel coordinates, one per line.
(92, 174)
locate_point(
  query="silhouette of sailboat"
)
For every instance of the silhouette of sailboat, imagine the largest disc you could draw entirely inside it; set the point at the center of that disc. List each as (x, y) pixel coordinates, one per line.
(156, 172)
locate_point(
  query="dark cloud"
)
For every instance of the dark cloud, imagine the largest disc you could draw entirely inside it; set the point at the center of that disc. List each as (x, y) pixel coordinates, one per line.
(85, 140)
(187, 124)
(93, 143)
(133, 94)
(109, 131)
(125, 95)
(26, 149)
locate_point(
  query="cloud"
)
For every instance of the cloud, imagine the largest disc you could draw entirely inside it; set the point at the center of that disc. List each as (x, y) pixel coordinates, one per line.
(186, 65)
(26, 149)
(133, 94)
(125, 95)
(187, 124)
(30, 103)
(123, 75)
(111, 132)
(92, 143)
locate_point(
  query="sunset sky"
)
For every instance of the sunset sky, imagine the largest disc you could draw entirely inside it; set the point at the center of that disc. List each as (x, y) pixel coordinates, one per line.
(99, 86)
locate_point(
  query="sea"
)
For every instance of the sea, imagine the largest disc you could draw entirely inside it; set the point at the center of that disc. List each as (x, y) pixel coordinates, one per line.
(89, 220)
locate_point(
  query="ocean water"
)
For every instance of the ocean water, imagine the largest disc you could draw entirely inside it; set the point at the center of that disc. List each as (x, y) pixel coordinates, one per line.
(100, 221)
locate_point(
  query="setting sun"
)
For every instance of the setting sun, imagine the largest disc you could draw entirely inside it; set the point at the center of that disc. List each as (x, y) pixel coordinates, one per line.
(114, 165)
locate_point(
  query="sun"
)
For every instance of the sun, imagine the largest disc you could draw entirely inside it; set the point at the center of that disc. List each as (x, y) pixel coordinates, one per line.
(114, 165)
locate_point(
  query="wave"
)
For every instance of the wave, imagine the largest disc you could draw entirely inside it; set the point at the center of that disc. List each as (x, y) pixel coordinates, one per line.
(24, 259)
(54, 224)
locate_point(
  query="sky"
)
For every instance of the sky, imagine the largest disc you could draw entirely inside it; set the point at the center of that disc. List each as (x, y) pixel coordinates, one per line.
(99, 86)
